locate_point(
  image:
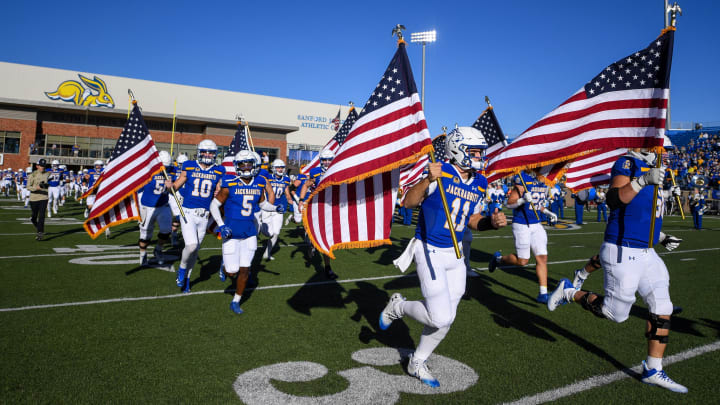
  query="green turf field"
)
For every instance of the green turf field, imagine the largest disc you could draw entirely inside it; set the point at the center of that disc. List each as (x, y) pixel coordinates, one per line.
(81, 324)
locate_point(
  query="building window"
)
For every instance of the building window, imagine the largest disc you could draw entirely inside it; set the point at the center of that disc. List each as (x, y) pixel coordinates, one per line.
(9, 142)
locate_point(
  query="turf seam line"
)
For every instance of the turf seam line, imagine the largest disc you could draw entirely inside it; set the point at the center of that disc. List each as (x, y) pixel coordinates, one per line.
(600, 380)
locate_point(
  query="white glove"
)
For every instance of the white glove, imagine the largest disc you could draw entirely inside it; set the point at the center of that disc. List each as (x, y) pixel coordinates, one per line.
(527, 197)
(654, 176)
(552, 216)
(670, 242)
(676, 191)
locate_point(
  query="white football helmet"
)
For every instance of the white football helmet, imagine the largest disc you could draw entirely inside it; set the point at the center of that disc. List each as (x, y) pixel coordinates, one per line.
(182, 158)
(246, 164)
(207, 152)
(459, 141)
(55, 164)
(165, 158)
(85, 171)
(326, 158)
(63, 167)
(98, 164)
(645, 156)
(278, 168)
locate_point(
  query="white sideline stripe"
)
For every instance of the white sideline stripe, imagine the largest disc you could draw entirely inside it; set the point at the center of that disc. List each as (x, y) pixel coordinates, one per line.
(271, 287)
(600, 380)
(160, 297)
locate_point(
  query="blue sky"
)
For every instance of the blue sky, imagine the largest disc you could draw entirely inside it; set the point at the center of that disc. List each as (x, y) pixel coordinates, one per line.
(527, 56)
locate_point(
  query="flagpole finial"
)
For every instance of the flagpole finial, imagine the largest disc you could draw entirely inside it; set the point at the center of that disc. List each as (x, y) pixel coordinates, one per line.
(674, 10)
(444, 129)
(398, 31)
(487, 100)
(456, 125)
(239, 118)
(132, 96)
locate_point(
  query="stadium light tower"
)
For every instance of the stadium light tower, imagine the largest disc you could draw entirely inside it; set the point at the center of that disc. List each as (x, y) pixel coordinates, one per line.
(425, 38)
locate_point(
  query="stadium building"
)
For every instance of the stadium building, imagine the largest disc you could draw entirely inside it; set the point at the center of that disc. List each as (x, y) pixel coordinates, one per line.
(76, 117)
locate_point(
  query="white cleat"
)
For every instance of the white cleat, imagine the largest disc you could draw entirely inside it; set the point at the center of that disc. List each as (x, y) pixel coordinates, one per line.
(391, 311)
(578, 280)
(562, 295)
(659, 378)
(419, 370)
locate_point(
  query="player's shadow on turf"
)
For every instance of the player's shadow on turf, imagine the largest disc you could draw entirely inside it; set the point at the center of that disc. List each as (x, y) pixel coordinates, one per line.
(508, 315)
(54, 235)
(389, 252)
(370, 301)
(208, 267)
(317, 292)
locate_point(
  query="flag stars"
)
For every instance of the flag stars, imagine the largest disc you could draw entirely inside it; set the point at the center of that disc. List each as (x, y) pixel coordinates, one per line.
(394, 70)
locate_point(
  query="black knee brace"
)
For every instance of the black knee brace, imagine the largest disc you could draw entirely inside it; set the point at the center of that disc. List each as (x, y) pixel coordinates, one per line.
(595, 262)
(595, 307)
(657, 323)
(164, 236)
(143, 243)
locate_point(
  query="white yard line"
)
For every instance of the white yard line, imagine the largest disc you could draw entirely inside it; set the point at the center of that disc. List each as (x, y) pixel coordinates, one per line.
(600, 380)
(270, 287)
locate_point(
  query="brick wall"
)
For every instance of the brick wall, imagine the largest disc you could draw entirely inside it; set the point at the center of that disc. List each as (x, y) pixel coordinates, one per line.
(27, 131)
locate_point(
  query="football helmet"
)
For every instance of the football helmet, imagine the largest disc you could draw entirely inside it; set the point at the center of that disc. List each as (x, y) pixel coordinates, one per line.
(246, 165)
(98, 164)
(278, 168)
(63, 167)
(182, 158)
(326, 158)
(165, 158)
(55, 164)
(207, 152)
(459, 141)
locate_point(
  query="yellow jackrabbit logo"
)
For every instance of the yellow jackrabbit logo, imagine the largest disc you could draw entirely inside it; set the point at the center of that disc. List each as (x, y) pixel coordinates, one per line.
(72, 91)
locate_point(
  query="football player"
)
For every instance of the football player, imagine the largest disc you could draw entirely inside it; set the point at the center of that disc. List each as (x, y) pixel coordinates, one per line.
(441, 273)
(25, 192)
(298, 184)
(314, 178)
(55, 178)
(527, 229)
(203, 178)
(630, 266)
(240, 196)
(91, 177)
(154, 207)
(271, 221)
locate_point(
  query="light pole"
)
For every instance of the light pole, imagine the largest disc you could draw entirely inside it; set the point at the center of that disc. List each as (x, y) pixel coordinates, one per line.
(425, 38)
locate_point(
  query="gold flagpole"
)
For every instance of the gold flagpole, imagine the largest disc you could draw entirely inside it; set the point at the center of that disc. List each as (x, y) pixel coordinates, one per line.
(677, 197)
(528, 191)
(674, 10)
(172, 136)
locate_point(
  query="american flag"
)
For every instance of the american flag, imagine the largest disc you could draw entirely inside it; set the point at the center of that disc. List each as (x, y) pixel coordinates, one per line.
(587, 171)
(336, 121)
(624, 106)
(412, 173)
(132, 164)
(488, 124)
(334, 144)
(354, 202)
(238, 143)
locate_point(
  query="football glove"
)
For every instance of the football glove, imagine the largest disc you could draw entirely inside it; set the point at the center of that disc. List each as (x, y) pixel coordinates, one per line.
(225, 232)
(552, 217)
(654, 176)
(676, 191)
(670, 242)
(280, 208)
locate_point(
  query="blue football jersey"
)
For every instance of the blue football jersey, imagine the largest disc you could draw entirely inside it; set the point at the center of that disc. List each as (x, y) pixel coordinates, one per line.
(464, 200)
(630, 225)
(155, 194)
(524, 214)
(94, 175)
(55, 177)
(279, 186)
(241, 205)
(199, 189)
(302, 178)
